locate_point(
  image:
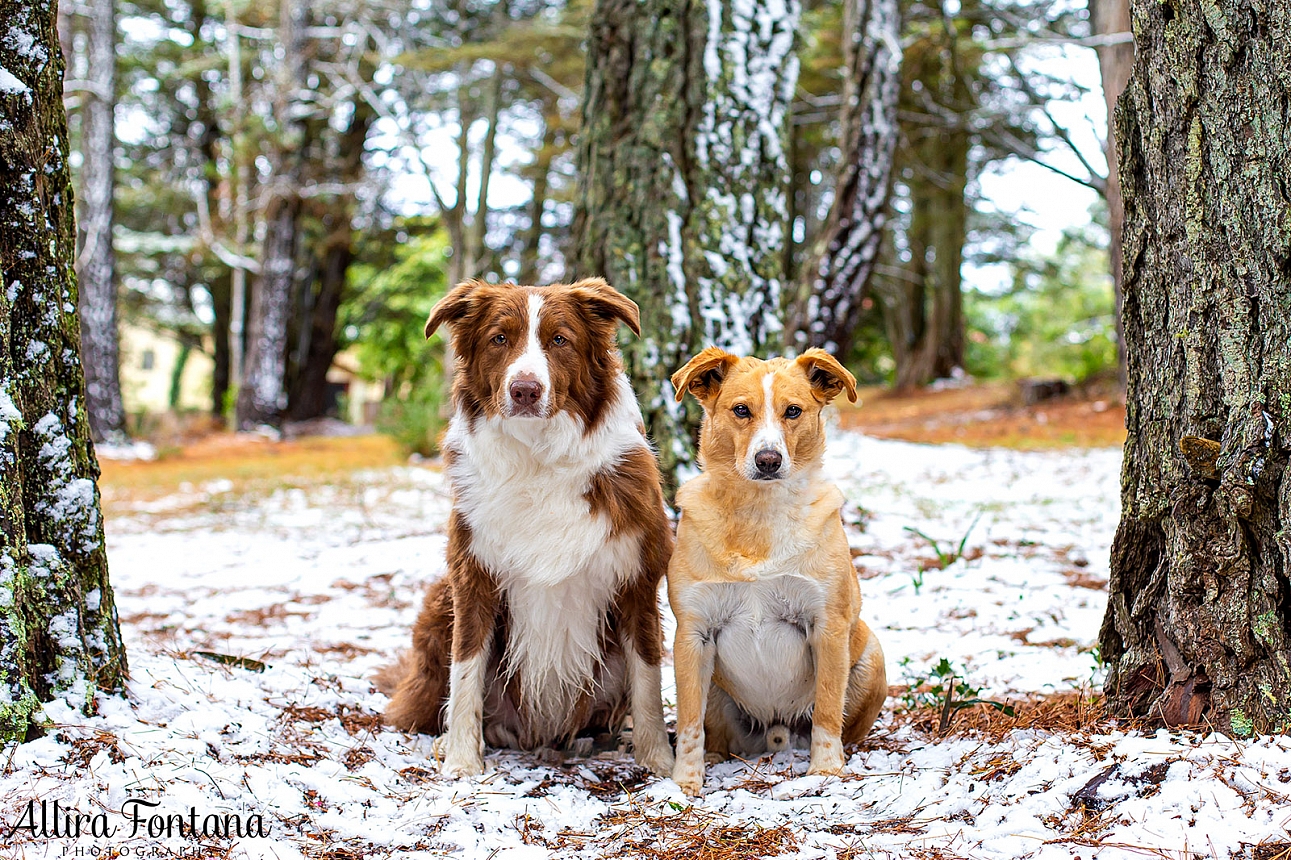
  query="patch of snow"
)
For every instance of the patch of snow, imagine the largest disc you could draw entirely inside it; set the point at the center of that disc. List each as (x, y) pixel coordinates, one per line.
(10, 84)
(321, 585)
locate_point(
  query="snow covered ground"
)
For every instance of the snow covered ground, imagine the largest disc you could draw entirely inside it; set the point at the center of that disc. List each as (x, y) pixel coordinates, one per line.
(296, 597)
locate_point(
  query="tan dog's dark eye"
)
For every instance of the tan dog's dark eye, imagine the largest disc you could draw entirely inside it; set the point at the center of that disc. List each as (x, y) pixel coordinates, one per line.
(742, 411)
(560, 340)
(499, 339)
(793, 412)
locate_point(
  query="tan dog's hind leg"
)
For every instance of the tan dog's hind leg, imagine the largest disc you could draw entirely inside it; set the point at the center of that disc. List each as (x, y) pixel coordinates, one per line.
(867, 686)
(693, 658)
(830, 647)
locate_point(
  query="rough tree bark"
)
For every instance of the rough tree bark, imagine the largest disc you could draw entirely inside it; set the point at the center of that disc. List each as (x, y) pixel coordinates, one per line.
(96, 262)
(1114, 62)
(1199, 609)
(681, 197)
(837, 275)
(262, 395)
(58, 625)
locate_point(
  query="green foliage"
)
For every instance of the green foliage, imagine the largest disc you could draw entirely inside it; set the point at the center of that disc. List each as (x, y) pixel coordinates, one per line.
(393, 286)
(945, 688)
(1057, 318)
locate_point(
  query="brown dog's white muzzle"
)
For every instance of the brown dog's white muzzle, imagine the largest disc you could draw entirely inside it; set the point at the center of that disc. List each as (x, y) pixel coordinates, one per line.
(525, 394)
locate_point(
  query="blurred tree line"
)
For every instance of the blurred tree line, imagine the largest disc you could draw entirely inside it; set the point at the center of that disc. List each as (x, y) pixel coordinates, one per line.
(296, 178)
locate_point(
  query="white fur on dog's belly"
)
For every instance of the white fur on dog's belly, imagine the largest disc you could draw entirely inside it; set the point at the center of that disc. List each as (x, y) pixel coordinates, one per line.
(762, 652)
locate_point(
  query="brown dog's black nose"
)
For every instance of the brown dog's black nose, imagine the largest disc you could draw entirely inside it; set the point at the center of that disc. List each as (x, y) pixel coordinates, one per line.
(768, 462)
(525, 393)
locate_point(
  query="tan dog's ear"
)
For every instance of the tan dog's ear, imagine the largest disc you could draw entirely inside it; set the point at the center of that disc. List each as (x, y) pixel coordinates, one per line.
(606, 302)
(453, 306)
(827, 377)
(702, 376)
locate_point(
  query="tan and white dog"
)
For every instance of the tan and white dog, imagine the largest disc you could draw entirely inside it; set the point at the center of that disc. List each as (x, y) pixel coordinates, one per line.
(557, 541)
(769, 642)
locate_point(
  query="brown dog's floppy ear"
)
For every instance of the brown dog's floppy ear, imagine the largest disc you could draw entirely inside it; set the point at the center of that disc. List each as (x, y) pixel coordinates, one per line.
(606, 302)
(453, 306)
(826, 375)
(702, 376)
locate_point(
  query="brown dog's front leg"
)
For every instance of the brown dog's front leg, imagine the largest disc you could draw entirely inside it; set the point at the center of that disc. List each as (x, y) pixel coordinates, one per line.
(831, 653)
(693, 656)
(475, 608)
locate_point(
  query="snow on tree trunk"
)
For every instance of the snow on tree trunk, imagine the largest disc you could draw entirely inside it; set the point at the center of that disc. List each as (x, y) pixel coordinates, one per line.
(59, 636)
(262, 396)
(1200, 607)
(837, 275)
(681, 199)
(96, 269)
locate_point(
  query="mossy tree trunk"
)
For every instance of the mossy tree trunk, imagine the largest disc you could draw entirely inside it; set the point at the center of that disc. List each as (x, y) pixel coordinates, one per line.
(1196, 630)
(836, 276)
(681, 198)
(58, 625)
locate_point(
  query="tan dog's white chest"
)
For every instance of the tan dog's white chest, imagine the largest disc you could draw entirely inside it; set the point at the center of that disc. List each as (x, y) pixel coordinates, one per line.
(761, 633)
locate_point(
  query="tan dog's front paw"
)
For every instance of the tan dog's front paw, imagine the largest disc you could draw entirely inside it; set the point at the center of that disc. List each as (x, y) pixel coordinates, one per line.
(690, 779)
(826, 762)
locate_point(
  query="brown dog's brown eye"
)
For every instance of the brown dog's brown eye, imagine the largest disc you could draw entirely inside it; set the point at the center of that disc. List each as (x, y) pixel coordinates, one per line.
(742, 411)
(793, 412)
(560, 340)
(499, 339)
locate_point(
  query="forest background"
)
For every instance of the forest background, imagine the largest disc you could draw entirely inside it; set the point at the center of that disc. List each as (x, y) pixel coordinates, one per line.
(274, 185)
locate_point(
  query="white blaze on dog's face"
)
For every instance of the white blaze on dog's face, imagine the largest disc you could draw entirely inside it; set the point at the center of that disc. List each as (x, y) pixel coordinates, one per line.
(532, 352)
(762, 419)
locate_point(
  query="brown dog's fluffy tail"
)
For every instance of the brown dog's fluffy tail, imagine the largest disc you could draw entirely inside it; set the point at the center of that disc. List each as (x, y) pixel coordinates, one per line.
(418, 683)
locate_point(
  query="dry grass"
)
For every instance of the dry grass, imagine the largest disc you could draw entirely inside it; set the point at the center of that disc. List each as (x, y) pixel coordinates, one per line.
(988, 415)
(1075, 713)
(250, 462)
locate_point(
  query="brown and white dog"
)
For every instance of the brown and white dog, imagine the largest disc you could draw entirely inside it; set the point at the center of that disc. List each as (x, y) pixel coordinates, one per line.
(769, 640)
(557, 541)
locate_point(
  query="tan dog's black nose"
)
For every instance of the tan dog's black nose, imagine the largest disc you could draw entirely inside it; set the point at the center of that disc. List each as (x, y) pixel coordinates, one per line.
(525, 393)
(768, 462)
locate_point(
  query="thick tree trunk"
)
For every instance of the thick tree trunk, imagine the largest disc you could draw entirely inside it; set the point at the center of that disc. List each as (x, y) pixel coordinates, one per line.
(309, 399)
(262, 397)
(96, 263)
(58, 625)
(309, 394)
(681, 198)
(837, 275)
(1115, 63)
(1200, 606)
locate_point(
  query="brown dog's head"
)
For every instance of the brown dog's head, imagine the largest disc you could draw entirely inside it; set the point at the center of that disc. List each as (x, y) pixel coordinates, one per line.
(534, 352)
(762, 419)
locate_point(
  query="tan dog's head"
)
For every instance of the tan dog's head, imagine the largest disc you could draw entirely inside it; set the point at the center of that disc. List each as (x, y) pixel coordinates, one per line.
(762, 419)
